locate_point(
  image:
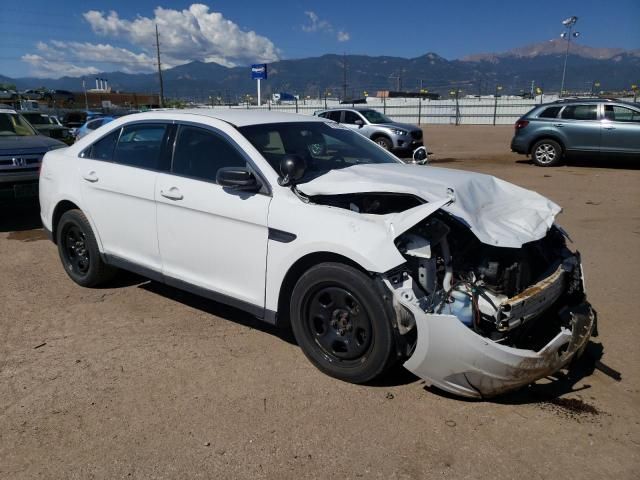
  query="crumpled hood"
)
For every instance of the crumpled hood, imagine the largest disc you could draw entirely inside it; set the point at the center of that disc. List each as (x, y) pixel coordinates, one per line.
(498, 213)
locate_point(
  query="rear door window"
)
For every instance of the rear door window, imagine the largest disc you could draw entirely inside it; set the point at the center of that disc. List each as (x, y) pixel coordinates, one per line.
(103, 148)
(334, 115)
(580, 112)
(140, 145)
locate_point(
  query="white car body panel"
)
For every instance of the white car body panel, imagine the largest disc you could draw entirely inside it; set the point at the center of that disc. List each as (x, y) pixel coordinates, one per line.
(121, 200)
(227, 242)
(213, 238)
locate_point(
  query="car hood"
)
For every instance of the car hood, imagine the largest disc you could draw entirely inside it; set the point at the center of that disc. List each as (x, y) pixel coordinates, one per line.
(497, 212)
(404, 126)
(10, 145)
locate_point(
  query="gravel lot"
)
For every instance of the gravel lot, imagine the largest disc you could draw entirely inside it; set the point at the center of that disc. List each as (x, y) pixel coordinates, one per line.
(144, 381)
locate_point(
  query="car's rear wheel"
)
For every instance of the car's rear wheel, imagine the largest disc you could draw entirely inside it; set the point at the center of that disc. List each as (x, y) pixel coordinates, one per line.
(340, 323)
(547, 153)
(384, 142)
(79, 251)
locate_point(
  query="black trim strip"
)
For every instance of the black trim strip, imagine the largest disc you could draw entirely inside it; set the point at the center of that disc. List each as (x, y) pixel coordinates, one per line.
(281, 236)
(255, 310)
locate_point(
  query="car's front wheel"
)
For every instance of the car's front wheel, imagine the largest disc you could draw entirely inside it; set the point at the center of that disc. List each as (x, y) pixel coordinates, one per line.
(547, 153)
(340, 322)
(384, 142)
(79, 251)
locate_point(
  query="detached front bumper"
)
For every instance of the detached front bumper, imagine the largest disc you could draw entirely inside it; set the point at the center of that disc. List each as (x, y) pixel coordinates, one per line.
(455, 358)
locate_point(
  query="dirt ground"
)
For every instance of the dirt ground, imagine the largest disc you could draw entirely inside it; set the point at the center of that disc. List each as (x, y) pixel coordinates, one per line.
(143, 381)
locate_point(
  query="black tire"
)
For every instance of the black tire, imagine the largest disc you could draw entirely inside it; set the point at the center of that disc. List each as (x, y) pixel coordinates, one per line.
(340, 322)
(546, 153)
(79, 251)
(384, 142)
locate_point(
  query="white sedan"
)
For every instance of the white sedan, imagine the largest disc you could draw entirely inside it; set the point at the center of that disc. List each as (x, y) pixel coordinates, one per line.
(463, 277)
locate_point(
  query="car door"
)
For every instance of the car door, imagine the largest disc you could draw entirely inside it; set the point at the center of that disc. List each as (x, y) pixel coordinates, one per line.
(118, 175)
(212, 238)
(621, 130)
(579, 127)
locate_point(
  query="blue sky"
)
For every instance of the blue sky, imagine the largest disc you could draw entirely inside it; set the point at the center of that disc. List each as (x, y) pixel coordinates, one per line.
(45, 38)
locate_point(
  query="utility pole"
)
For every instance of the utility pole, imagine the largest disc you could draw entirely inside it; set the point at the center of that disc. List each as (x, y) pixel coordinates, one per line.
(344, 76)
(159, 68)
(567, 35)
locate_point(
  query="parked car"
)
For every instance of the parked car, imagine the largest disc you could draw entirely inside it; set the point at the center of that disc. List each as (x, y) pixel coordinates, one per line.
(46, 125)
(33, 94)
(92, 125)
(21, 152)
(553, 131)
(463, 277)
(8, 94)
(378, 127)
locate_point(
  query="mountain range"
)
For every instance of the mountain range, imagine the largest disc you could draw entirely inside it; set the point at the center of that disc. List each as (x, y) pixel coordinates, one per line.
(515, 69)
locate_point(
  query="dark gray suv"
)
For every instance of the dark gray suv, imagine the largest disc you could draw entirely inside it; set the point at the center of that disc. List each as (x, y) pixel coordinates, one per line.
(552, 131)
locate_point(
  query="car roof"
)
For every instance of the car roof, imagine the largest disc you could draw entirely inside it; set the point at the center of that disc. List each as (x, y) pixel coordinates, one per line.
(563, 101)
(234, 116)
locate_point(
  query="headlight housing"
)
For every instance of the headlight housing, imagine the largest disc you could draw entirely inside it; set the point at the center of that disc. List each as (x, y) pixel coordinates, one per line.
(399, 132)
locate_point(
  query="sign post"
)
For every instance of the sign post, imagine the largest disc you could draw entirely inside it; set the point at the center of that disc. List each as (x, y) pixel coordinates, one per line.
(259, 72)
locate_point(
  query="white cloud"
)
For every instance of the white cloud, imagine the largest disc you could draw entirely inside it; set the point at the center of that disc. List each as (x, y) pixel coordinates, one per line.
(343, 36)
(316, 24)
(43, 67)
(191, 34)
(57, 59)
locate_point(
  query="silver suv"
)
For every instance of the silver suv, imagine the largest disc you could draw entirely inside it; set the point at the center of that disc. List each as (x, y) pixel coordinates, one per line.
(378, 127)
(567, 127)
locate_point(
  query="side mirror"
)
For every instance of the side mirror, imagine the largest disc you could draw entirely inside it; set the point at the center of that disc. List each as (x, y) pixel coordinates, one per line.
(237, 178)
(420, 156)
(359, 122)
(292, 168)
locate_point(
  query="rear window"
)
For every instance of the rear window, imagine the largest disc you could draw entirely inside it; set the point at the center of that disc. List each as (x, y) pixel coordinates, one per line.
(550, 112)
(580, 112)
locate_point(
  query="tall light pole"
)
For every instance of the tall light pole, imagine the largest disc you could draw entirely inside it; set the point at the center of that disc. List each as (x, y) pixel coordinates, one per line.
(567, 34)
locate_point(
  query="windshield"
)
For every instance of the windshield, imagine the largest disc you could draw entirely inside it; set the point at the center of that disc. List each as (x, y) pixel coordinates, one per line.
(324, 146)
(12, 124)
(375, 117)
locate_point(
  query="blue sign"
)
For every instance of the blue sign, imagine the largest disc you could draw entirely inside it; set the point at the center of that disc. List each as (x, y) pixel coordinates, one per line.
(259, 71)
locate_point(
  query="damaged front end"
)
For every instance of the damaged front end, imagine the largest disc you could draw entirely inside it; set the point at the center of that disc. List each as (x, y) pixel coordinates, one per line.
(488, 319)
(489, 297)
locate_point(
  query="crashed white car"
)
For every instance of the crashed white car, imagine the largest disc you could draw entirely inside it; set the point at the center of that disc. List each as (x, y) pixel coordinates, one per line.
(463, 277)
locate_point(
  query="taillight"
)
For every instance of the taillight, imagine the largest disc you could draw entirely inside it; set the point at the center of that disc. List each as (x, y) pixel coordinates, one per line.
(520, 124)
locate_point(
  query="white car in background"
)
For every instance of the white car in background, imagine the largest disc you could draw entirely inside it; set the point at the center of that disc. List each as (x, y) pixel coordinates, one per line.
(298, 220)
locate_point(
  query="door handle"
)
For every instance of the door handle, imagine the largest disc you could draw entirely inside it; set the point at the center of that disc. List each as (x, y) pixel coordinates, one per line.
(90, 177)
(609, 128)
(172, 194)
(558, 124)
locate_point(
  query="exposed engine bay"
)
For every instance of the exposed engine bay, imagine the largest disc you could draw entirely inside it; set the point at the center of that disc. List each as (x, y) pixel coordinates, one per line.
(494, 291)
